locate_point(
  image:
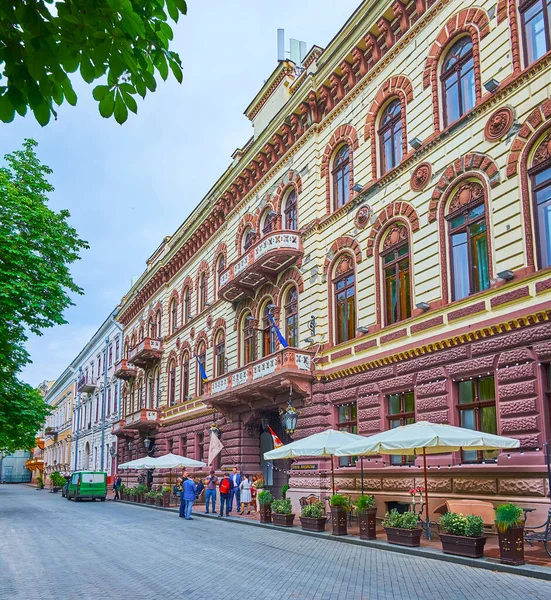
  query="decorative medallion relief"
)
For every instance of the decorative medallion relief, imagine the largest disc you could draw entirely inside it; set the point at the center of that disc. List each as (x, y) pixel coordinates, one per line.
(396, 235)
(499, 124)
(543, 151)
(421, 176)
(469, 192)
(363, 217)
(344, 265)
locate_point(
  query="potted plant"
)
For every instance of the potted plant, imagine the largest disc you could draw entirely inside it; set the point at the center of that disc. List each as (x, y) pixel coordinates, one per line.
(366, 511)
(313, 517)
(141, 490)
(57, 481)
(510, 530)
(132, 494)
(166, 491)
(282, 513)
(402, 528)
(462, 535)
(159, 501)
(150, 498)
(284, 490)
(122, 491)
(339, 514)
(265, 500)
(39, 483)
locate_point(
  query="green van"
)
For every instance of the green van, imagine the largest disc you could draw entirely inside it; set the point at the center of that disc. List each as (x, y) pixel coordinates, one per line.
(87, 484)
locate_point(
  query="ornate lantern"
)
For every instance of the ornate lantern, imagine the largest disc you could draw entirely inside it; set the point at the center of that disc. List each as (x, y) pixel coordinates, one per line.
(289, 417)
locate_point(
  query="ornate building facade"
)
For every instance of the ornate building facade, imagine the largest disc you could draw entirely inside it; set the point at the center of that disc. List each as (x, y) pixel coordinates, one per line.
(392, 214)
(97, 400)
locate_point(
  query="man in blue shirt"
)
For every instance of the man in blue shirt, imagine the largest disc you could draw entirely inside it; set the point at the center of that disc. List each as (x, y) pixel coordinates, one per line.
(190, 488)
(235, 480)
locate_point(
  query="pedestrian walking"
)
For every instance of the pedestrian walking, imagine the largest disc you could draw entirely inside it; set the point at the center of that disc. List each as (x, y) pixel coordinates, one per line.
(116, 485)
(225, 493)
(257, 486)
(190, 489)
(180, 492)
(235, 492)
(245, 493)
(200, 488)
(212, 481)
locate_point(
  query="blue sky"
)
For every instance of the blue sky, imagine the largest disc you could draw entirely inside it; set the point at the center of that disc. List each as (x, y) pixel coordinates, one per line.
(128, 186)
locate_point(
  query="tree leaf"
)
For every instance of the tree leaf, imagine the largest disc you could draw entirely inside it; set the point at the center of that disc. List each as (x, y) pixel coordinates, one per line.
(107, 104)
(121, 112)
(42, 113)
(7, 110)
(130, 102)
(177, 72)
(99, 92)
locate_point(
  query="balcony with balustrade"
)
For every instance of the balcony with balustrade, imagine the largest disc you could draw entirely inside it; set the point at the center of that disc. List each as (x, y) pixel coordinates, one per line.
(145, 353)
(124, 370)
(274, 253)
(263, 382)
(86, 385)
(145, 419)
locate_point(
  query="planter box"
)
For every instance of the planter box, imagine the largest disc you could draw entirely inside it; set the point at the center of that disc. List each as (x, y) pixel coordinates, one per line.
(265, 513)
(166, 499)
(159, 501)
(511, 546)
(461, 545)
(339, 516)
(313, 523)
(283, 520)
(368, 524)
(404, 537)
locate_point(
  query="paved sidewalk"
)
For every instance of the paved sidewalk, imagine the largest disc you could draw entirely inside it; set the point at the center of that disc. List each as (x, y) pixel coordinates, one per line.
(52, 548)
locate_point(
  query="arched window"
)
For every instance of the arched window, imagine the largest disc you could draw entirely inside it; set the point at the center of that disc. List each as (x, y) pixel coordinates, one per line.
(268, 338)
(248, 339)
(187, 305)
(536, 24)
(172, 383)
(344, 290)
(152, 328)
(157, 388)
(248, 239)
(220, 354)
(158, 324)
(290, 211)
(466, 217)
(184, 376)
(202, 356)
(396, 272)
(132, 345)
(220, 267)
(268, 221)
(140, 395)
(341, 177)
(150, 390)
(390, 136)
(540, 179)
(140, 337)
(202, 292)
(458, 82)
(173, 315)
(290, 309)
(126, 350)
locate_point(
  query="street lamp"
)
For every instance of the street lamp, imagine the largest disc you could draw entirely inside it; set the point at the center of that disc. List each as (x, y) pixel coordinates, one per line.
(112, 451)
(289, 417)
(130, 445)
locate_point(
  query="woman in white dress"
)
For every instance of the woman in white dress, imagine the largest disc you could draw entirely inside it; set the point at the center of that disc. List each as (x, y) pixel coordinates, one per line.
(245, 492)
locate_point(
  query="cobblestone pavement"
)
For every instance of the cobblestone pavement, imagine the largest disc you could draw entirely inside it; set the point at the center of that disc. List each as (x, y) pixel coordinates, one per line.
(52, 548)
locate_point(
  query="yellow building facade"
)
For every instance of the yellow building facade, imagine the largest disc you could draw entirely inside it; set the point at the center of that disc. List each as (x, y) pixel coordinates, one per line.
(391, 214)
(58, 427)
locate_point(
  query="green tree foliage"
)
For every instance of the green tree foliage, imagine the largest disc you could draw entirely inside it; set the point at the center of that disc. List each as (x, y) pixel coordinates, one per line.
(37, 245)
(126, 43)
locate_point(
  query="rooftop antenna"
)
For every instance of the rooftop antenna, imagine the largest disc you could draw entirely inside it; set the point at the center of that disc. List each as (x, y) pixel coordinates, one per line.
(280, 45)
(297, 49)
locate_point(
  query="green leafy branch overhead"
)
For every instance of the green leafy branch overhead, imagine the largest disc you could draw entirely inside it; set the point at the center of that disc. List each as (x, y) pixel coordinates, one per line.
(125, 43)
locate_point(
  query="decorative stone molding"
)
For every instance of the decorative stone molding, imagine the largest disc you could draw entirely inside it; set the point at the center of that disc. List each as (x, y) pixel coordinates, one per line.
(363, 217)
(499, 124)
(342, 243)
(396, 209)
(420, 177)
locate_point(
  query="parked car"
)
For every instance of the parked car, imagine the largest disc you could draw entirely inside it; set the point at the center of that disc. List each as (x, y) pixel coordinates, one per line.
(87, 484)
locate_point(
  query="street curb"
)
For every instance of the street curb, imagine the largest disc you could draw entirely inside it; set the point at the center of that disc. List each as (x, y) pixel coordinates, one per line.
(489, 564)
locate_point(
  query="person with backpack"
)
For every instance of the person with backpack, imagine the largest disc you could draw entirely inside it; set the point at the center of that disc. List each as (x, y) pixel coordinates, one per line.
(225, 493)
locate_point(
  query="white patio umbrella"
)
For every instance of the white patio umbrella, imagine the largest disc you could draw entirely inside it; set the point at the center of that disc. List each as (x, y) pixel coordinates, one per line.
(425, 438)
(324, 444)
(146, 462)
(174, 461)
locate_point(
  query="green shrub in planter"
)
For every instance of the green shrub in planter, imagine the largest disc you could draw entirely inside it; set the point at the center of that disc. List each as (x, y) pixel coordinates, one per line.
(141, 489)
(40, 483)
(340, 501)
(284, 490)
(364, 503)
(282, 507)
(166, 489)
(57, 480)
(407, 520)
(316, 510)
(508, 516)
(464, 525)
(265, 497)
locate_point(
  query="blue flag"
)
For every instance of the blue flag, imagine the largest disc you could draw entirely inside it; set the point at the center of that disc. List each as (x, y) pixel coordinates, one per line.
(201, 368)
(280, 337)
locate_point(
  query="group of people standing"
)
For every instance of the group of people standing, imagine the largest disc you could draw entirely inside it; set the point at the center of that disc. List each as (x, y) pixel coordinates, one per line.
(233, 488)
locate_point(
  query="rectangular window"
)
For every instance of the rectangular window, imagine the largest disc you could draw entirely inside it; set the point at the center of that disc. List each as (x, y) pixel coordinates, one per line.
(347, 420)
(110, 356)
(401, 411)
(115, 400)
(541, 186)
(108, 401)
(170, 443)
(536, 21)
(477, 411)
(345, 302)
(183, 445)
(117, 349)
(200, 446)
(249, 354)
